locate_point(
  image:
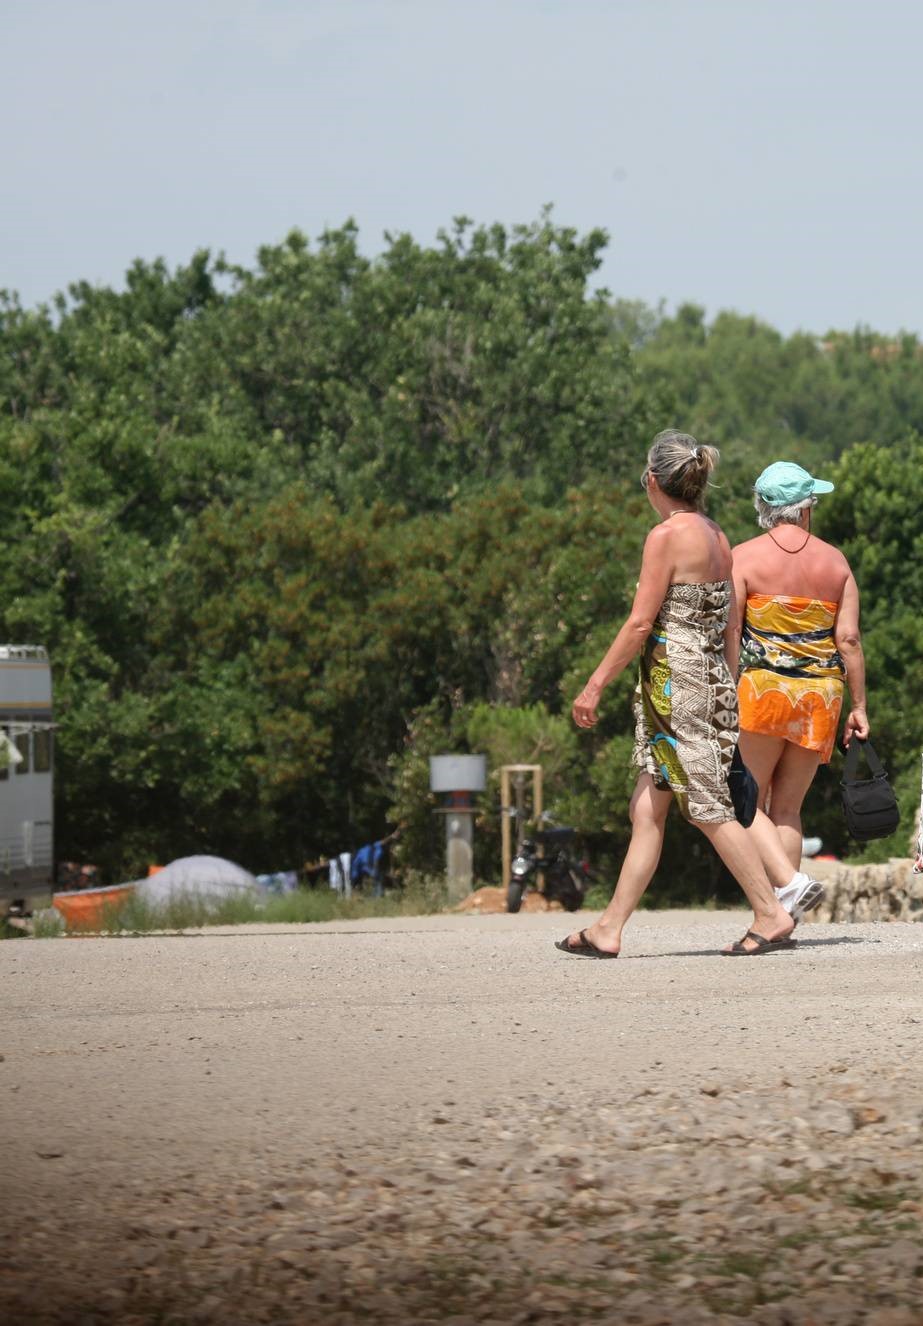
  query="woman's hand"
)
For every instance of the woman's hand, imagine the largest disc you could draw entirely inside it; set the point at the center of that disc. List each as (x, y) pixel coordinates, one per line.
(857, 725)
(585, 706)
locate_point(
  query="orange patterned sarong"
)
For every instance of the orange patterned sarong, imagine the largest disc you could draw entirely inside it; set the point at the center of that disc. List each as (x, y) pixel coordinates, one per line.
(791, 674)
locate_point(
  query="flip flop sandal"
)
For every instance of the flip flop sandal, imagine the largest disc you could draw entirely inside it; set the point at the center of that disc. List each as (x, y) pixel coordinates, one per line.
(585, 949)
(763, 945)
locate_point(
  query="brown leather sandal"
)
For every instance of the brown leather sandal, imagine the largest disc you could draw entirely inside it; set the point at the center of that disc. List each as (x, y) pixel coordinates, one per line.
(585, 949)
(763, 945)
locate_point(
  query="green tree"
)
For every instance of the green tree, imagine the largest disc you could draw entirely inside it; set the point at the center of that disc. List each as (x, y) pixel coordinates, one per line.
(874, 517)
(283, 527)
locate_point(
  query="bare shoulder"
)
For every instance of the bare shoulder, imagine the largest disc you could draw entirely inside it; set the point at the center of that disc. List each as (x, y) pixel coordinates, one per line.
(833, 558)
(742, 552)
(834, 552)
(723, 540)
(660, 549)
(659, 537)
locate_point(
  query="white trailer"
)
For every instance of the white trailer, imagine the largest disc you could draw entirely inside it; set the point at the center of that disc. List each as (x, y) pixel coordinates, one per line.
(26, 777)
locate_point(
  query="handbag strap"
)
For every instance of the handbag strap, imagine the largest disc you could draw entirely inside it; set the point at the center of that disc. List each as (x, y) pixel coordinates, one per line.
(861, 746)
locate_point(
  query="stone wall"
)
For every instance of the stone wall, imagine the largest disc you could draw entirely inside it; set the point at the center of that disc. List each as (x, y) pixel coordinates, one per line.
(886, 892)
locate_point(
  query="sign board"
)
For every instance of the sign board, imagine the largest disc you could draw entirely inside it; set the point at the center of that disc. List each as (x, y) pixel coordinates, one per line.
(457, 773)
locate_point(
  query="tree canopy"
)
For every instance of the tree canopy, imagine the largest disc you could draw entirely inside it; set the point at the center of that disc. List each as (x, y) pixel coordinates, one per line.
(285, 530)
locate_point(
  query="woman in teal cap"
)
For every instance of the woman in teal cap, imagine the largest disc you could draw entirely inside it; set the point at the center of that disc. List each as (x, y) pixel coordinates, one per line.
(798, 627)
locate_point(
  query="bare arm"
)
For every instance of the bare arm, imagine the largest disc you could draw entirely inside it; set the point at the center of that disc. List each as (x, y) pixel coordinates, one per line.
(738, 609)
(849, 643)
(653, 583)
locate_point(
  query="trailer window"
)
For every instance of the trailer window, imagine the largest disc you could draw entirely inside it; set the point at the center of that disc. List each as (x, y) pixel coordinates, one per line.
(22, 745)
(41, 751)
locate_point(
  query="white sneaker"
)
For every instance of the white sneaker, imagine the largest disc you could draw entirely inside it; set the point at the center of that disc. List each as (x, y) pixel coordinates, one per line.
(797, 899)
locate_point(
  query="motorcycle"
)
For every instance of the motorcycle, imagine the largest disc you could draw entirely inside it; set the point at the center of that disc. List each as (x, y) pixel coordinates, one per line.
(565, 878)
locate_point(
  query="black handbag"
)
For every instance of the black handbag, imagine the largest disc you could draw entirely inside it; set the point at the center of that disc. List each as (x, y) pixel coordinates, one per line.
(744, 790)
(869, 804)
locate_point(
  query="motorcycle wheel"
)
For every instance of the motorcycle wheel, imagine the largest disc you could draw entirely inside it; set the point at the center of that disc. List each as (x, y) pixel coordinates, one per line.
(571, 895)
(514, 895)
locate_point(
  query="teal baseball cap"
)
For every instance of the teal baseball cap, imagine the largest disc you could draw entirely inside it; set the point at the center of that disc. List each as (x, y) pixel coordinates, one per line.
(784, 483)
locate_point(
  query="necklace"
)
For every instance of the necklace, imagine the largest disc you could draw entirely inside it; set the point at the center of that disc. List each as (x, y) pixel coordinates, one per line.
(791, 551)
(678, 512)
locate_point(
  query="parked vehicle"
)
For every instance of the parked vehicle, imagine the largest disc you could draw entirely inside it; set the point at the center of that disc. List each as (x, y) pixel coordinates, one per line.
(565, 879)
(26, 777)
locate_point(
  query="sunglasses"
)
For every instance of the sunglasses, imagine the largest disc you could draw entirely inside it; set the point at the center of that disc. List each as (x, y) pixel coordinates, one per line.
(644, 478)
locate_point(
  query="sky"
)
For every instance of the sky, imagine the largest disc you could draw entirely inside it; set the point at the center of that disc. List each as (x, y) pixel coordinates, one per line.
(746, 155)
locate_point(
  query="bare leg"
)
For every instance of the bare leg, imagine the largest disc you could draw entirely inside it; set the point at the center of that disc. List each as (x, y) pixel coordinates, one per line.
(648, 813)
(738, 852)
(764, 757)
(761, 755)
(772, 852)
(790, 782)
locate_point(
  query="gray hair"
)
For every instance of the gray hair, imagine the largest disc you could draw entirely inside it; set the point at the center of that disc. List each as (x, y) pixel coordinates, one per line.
(768, 517)
(681, 466)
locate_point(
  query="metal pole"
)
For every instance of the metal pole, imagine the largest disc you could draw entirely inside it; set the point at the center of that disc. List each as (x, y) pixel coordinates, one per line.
(459, 847)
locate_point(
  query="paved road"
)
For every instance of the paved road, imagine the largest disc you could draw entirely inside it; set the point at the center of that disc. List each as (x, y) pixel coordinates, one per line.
(131, 1065)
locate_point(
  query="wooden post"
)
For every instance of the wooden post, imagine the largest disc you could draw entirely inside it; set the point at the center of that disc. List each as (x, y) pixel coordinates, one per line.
(537, 816)
(505, 823)
(506, 804)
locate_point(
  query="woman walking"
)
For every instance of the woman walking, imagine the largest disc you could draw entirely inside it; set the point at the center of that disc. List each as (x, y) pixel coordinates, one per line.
(799, 637)
(686, 703)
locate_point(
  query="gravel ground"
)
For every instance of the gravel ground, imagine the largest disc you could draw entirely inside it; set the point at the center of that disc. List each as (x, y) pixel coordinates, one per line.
(446, 1120)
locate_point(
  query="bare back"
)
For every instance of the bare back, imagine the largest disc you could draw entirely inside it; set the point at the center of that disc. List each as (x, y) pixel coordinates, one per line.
(699, 548)
(789, 561)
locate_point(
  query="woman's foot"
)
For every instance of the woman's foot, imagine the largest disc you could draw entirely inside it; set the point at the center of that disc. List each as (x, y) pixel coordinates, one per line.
(780, 928)
(753, 945)
(597, 936)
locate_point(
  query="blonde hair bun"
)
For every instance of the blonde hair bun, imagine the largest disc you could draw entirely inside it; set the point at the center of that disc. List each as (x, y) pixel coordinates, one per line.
(682, 466)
